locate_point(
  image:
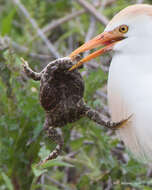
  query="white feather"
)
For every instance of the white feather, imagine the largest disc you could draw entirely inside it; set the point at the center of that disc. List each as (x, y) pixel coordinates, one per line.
(130, 84)
(130, 92)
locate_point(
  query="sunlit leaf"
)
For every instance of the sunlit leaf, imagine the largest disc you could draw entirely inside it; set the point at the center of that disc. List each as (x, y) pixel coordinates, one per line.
(7, 181)
(55, 162)
(7, 22)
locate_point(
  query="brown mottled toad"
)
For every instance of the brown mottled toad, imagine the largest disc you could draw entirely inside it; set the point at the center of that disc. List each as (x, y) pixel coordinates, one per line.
(61, 96)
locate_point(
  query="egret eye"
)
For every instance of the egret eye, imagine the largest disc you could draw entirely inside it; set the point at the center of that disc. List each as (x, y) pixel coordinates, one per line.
(123, 29)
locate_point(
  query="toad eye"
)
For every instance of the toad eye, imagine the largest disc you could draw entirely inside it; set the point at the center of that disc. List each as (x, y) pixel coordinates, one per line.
(123, 29)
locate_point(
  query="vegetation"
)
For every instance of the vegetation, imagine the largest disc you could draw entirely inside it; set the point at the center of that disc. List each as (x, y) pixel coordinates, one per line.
(93, 158)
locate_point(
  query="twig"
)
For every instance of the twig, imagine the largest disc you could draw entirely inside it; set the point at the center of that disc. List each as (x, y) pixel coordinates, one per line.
(60, 21)
(54, 24)
(22, 49)
(109, 2)
(101, 94)
(137, 183)
(43, 181)
(139, 1)
(91, 29)
(86, 5)
(90, 32)
(57, 183)
(70, 44)
(38, 30)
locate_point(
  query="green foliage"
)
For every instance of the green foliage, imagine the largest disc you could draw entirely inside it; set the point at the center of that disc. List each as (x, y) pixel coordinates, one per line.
(7, 181)
(7, 23)
(93, 82)
(94, 163)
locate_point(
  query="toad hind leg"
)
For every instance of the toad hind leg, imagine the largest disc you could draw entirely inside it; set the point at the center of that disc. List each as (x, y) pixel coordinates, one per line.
(58, 139)
(117, 125)
(100, 119)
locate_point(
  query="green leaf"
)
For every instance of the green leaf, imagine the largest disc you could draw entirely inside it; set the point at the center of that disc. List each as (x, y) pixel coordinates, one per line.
(44, 152)
(93, 82)
(76, 144)
(37, 172)
(46, 187)
(84, 182)
(7, 22)
(7, 181)
(55, 162)
(146, 188)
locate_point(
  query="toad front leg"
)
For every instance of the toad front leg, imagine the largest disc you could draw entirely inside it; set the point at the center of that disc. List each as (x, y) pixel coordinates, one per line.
(29, 72)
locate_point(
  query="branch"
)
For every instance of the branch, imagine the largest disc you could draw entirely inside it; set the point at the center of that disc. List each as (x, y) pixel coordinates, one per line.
(89, 35)
(91, 29)
(38, 30)
(93, 11)
(60, 21)
(43, 181)
(90, 32)
(57, 183)
(140, 1)
(22, 49)
(54, 24)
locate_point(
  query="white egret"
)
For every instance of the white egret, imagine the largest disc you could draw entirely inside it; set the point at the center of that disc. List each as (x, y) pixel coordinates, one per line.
(129, 36)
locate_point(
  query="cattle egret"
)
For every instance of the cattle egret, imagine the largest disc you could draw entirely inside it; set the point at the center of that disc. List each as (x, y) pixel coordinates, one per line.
(129, 35)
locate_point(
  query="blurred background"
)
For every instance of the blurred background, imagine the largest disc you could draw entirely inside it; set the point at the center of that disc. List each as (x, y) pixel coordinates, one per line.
(93, 158)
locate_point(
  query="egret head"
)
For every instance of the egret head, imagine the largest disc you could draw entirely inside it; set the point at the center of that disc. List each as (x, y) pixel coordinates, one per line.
(130, 31)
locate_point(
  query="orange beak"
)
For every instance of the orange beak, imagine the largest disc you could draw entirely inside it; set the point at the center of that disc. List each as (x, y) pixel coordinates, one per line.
(106, 39)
